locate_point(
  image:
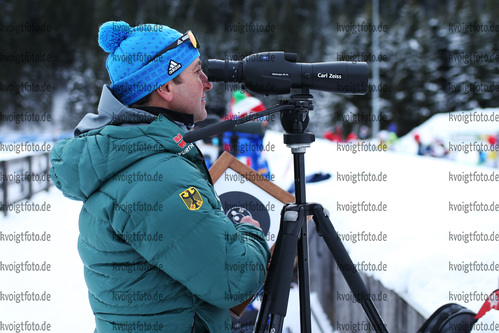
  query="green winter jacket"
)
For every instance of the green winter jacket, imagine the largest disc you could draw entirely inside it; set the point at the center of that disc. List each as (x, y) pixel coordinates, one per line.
(158, 252)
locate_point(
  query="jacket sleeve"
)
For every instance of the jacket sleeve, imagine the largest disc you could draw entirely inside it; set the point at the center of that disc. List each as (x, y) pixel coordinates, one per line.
(199, 246)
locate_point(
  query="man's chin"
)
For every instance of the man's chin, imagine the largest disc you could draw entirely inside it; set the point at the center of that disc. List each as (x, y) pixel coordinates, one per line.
(201, 116)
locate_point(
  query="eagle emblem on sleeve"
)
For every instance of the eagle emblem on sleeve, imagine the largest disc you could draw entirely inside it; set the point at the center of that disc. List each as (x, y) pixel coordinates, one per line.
(192, 198)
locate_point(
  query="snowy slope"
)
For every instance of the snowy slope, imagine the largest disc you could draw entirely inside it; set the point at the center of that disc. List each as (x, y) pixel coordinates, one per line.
(418, 253)
(454, 127)
(68, 309)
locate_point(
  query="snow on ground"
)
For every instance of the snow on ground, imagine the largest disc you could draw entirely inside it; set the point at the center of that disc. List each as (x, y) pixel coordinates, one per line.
(320, 322)
(456, 127)
(417, 221)
(418, 260)
(68, 309)
(15, 145)
(423, 264)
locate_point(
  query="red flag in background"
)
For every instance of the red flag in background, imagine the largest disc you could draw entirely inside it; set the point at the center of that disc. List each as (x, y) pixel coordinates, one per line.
(492, 302)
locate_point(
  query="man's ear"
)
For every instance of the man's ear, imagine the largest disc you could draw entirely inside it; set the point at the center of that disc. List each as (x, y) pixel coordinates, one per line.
(165, 91)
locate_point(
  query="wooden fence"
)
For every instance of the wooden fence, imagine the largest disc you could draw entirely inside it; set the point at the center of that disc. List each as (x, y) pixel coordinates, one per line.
(22, 177)
(337, 299)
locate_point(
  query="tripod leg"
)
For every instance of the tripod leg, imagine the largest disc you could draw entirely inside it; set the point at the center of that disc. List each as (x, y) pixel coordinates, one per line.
(276, 290)
(348, 269)
(304, 280)
(269, 287)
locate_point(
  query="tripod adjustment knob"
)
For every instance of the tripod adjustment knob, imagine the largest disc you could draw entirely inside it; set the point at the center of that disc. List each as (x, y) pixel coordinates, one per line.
(290, 216)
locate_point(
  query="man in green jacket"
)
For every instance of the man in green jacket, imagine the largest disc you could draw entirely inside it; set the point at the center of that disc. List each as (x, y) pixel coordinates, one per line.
(158, 251)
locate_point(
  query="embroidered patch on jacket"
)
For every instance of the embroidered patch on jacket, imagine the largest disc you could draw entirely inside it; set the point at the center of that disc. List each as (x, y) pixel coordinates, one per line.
(179, 140)
(192, 198)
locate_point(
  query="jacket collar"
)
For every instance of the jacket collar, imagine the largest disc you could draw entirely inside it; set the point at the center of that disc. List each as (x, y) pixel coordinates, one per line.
(179, 117)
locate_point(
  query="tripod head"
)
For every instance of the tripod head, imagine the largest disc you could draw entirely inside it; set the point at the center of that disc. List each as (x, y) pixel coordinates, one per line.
(294, 120)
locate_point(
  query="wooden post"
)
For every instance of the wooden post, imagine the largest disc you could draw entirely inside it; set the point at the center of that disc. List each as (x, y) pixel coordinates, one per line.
(3, 164)
(30, 178)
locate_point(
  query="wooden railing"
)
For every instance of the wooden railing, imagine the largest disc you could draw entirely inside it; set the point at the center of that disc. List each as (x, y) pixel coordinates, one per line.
(22, 177)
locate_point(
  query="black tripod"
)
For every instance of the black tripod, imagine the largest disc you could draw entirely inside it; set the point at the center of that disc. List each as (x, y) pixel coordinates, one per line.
(292, 236)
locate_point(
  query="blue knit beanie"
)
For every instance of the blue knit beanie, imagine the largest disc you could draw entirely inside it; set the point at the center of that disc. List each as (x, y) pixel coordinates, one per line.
(131, 48)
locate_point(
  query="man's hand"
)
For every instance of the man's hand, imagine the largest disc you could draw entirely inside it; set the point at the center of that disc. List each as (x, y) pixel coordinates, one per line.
(250, 220)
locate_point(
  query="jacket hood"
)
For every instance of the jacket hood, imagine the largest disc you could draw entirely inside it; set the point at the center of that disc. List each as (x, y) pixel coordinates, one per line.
(112, 112)
(80, 165)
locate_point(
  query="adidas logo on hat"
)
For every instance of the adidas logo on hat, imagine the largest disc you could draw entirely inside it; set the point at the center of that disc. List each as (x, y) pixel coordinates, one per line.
(173, 67)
